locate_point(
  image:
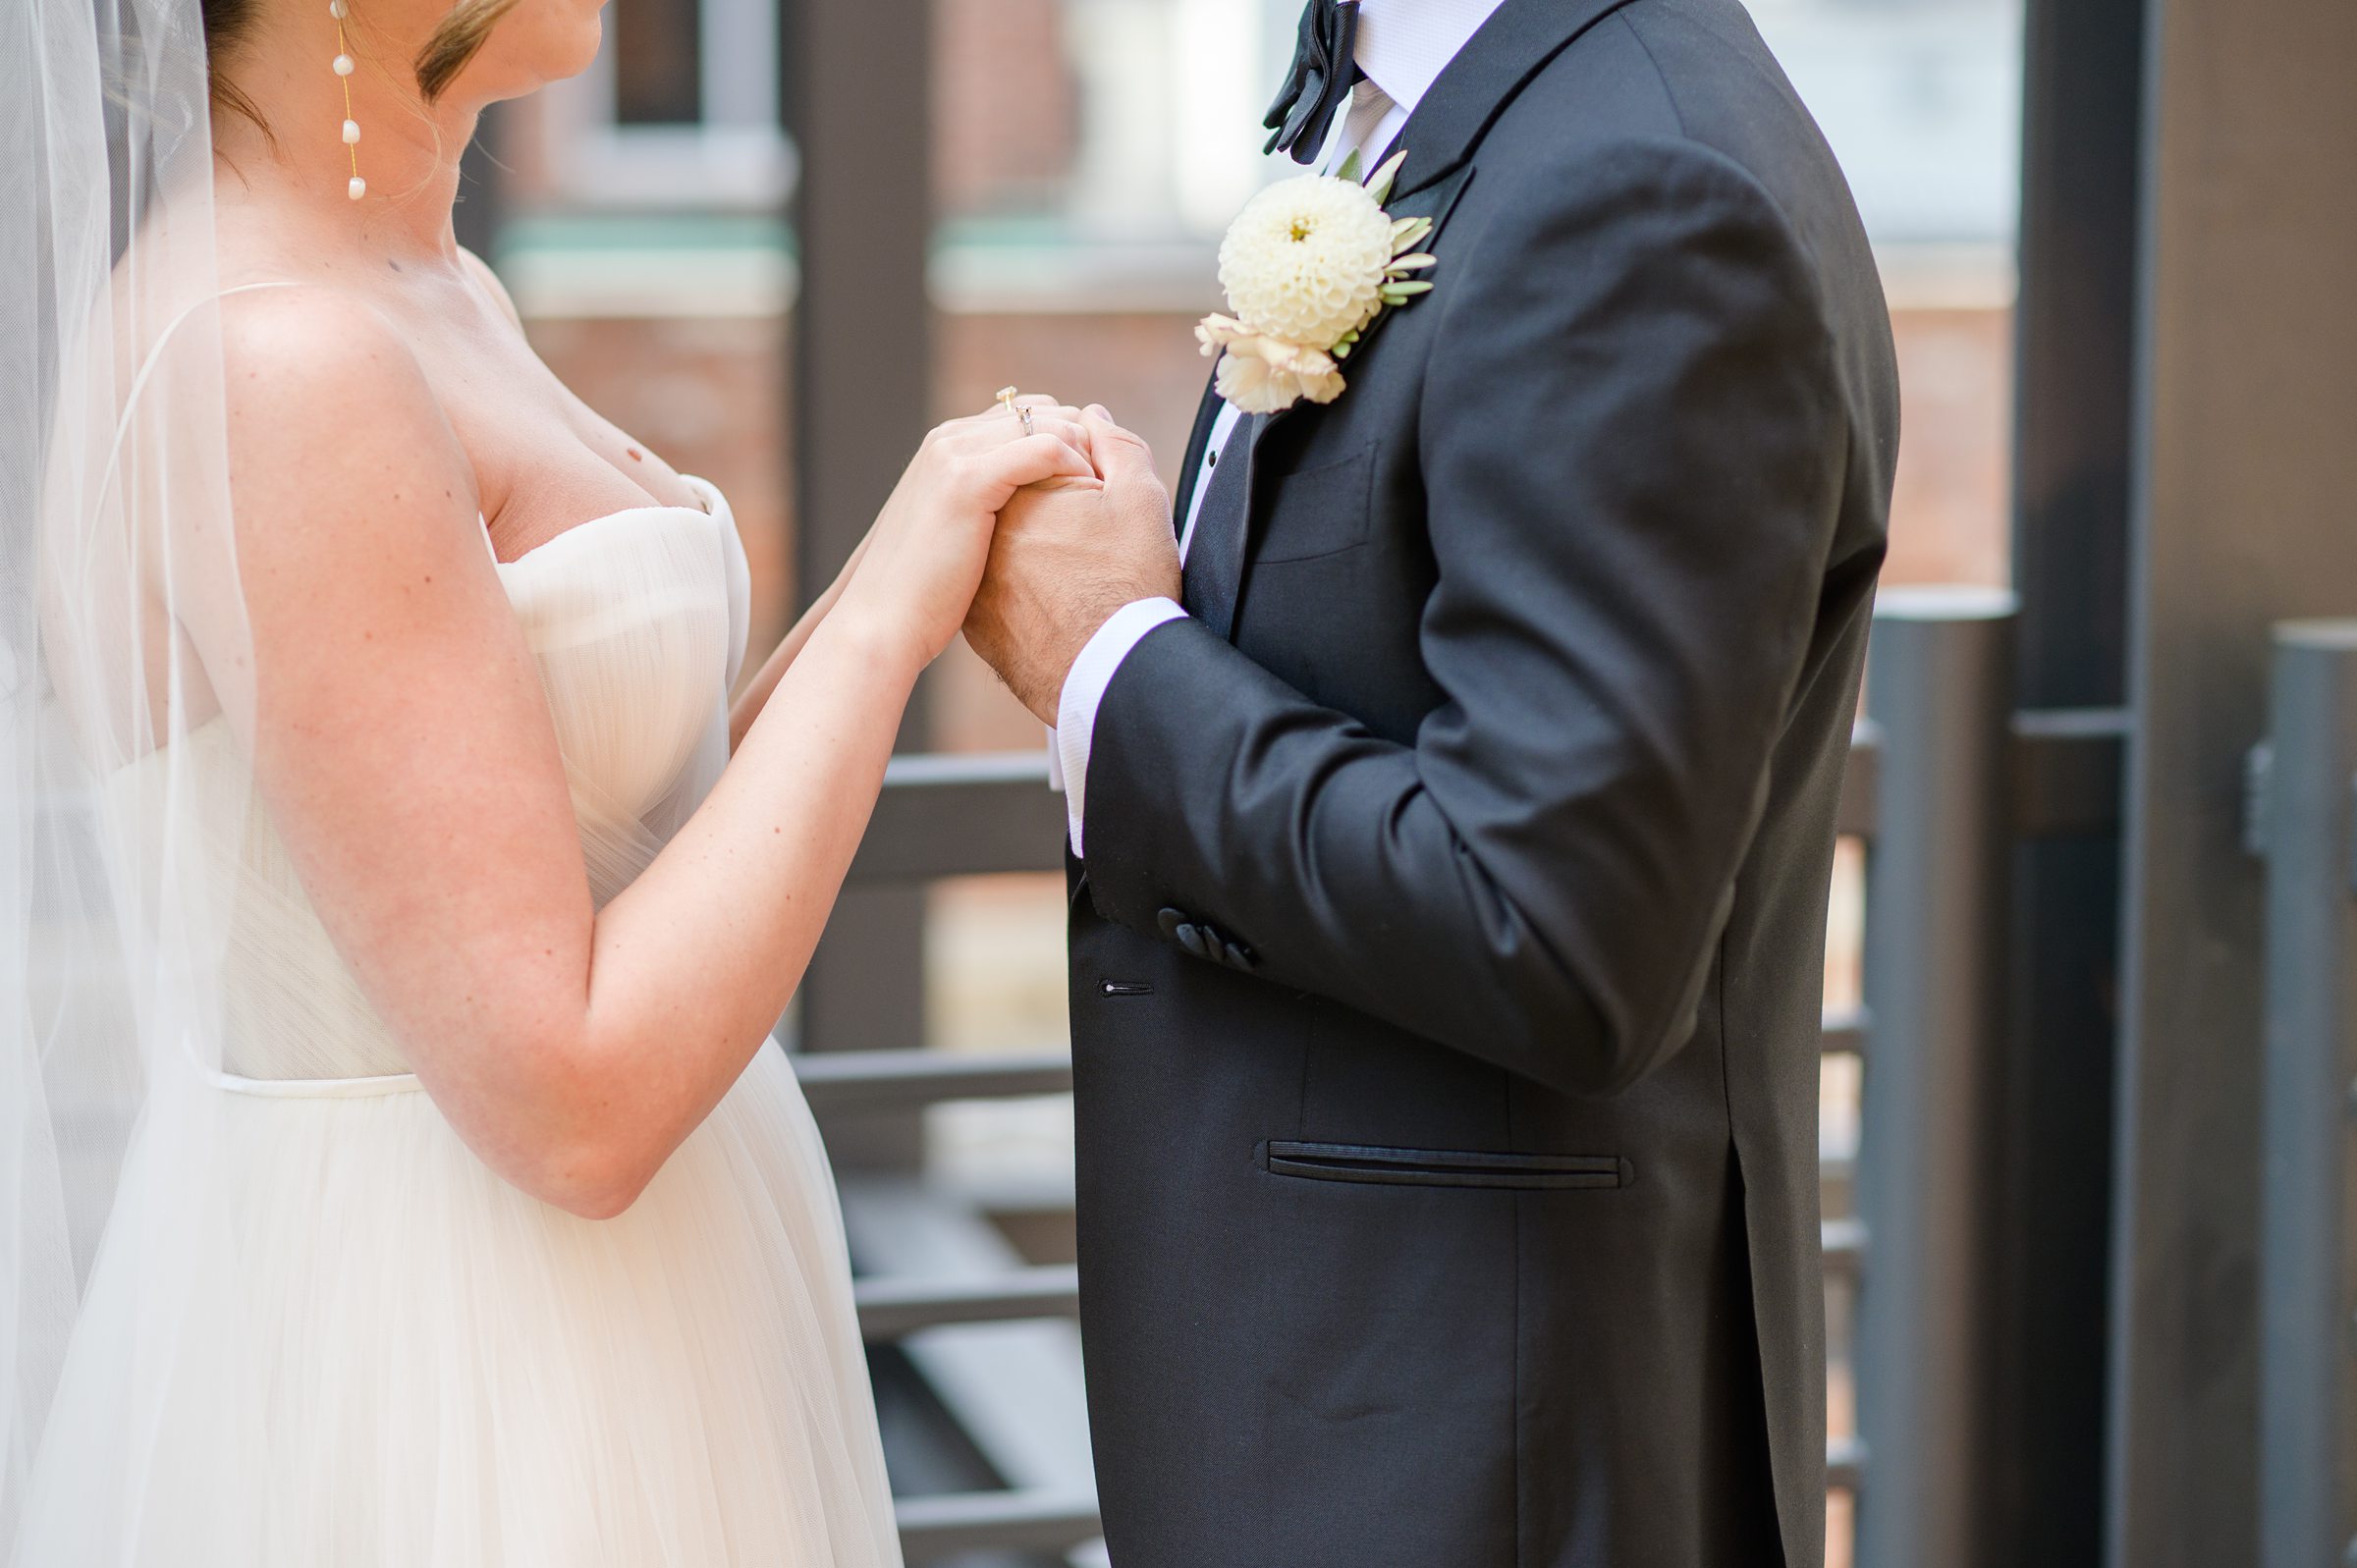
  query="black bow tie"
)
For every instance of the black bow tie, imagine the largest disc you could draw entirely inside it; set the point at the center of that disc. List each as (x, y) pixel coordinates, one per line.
(1319, 82)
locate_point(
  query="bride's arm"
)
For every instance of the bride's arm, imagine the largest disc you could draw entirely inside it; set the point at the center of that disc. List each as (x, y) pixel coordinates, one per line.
(404, 747)
(755, 692)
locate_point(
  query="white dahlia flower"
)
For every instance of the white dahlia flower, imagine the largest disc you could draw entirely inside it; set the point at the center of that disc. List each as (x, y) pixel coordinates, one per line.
(1306, 265)
(1305, 260)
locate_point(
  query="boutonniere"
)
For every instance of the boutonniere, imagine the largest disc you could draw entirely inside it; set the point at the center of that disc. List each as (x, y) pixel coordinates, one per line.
(1307, 265)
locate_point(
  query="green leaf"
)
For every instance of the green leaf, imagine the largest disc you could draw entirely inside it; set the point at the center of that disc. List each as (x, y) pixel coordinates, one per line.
(1380, 186)
(1408, 232)
(1350, 168)
(1421, 258)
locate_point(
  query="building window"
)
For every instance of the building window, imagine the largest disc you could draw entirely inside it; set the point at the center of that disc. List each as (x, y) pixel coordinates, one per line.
(658, 65)
(679, 113)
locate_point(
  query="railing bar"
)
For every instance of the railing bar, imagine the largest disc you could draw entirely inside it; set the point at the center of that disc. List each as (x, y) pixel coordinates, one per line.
(957, 814)
(1029, 1520)
(892, 1308)
(944, 770)
(962, 814)
(1856, 814)
(1844, 1031)
(1037, 1520)
(898, 1079)
(1844, 1464)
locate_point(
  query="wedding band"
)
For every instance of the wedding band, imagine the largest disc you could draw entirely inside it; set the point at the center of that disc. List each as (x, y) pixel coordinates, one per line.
(1024, 413)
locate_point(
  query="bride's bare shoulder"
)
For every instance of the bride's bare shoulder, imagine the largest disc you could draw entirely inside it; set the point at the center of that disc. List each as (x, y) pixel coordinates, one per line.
(327, 402)
(309, 339)
(480, 270)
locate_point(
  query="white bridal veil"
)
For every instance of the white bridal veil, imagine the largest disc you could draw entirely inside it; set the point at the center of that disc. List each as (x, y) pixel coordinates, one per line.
(122, 641)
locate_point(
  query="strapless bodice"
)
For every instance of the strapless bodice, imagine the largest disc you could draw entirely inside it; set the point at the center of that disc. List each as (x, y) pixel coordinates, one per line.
(637, 621)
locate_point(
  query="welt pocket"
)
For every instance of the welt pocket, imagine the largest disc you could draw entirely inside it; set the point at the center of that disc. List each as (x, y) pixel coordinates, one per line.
(1318, 510)
(1442, 1167)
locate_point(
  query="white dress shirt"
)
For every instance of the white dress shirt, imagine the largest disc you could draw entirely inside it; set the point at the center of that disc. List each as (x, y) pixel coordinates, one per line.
(1402, 46)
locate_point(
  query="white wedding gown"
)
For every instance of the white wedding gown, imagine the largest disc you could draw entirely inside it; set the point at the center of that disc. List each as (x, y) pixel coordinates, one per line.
(383, 1354)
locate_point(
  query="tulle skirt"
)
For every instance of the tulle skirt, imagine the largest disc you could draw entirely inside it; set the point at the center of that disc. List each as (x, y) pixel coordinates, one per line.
(356, 1346)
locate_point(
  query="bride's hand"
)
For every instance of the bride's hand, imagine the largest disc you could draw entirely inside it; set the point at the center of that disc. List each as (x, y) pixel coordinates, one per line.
(923, 558)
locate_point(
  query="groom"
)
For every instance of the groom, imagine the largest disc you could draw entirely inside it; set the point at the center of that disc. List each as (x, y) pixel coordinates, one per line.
(1450, 859)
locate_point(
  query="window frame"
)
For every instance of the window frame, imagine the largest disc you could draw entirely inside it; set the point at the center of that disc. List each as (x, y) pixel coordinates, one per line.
(735, 158)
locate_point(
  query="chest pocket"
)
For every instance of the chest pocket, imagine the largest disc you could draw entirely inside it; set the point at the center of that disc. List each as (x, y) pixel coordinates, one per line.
(1319, 510)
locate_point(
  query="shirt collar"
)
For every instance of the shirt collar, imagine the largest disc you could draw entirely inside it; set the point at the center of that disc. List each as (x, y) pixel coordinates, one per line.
(1404, 44)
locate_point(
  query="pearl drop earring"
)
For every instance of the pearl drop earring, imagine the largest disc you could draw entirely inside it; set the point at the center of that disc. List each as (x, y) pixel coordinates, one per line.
(340, 9)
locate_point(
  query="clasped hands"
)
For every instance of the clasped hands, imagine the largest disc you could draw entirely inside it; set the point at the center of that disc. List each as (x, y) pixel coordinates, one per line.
(1066, 555)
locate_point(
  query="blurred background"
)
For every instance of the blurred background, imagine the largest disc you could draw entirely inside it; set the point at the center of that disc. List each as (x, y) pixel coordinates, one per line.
(1085, 156)
(775, 239)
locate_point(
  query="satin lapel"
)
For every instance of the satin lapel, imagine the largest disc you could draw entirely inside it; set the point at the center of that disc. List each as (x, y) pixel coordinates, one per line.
(1235, 542)
(1190, 466)
(1435, 201)
(1473, 88)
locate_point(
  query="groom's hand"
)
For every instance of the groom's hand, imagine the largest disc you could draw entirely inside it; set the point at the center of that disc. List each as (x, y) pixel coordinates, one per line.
(1066, 554)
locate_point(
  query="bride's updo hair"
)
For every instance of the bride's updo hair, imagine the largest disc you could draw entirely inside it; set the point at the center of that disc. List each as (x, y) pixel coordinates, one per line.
(226, 23)
(459, 38)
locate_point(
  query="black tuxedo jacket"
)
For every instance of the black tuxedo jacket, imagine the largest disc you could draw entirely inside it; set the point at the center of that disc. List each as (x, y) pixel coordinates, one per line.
(1446, 961)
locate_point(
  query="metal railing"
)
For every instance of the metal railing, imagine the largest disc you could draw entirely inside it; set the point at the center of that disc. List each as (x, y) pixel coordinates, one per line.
(1943, 780)
(1939, 691)
(2303, 823)
(1035, 1520)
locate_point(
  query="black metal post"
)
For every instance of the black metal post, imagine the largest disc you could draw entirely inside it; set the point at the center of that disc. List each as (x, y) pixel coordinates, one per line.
(1939, 687)
(2306, 809)
(2074, 339)
(858, 92)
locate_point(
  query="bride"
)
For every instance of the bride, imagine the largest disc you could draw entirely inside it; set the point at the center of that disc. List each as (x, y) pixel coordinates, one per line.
(395, 909)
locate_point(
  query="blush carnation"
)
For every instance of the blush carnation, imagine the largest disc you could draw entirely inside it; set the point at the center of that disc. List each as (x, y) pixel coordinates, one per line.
(1261, 374)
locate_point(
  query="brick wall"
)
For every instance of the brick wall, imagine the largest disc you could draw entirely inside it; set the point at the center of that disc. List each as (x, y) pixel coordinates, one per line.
(1006, 106)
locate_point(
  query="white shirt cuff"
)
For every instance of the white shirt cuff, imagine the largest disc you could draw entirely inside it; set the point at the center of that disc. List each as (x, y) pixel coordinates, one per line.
(1084, 687)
